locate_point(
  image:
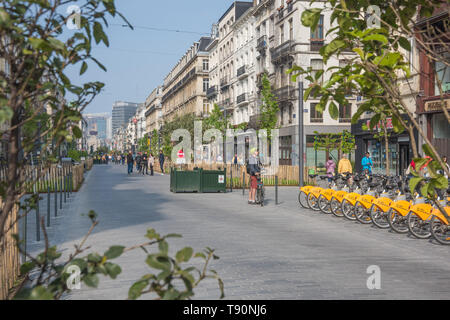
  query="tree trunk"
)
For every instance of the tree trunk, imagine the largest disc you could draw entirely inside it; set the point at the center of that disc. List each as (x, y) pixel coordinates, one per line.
(386, 146)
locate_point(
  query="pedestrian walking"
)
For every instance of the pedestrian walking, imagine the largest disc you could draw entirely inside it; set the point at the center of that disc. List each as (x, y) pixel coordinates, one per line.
(144, 163)
(130, 161)
(151, 162)
(161, 161)
(331, 167)
(367, 163)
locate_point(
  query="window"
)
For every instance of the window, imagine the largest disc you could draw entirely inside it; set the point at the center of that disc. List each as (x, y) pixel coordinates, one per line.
(205, 107)
(316, 65)
(315, 115)
(205, 64)
(443, 73)
(281, 33)
(345, 113)
(205, 84)
(318, 33)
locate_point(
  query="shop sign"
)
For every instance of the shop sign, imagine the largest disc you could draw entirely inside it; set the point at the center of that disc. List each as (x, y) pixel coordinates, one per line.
(379, 125)
(436, 105)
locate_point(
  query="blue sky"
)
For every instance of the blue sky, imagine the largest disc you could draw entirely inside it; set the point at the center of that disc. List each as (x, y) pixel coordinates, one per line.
(137, 61)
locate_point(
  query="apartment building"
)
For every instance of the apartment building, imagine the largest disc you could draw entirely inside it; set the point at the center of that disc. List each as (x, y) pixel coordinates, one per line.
(153, 113)
(283, 42)
(223, 54)
(184, 89)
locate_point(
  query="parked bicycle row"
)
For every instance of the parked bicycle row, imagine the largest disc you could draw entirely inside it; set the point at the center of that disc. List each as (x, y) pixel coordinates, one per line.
(381, 200)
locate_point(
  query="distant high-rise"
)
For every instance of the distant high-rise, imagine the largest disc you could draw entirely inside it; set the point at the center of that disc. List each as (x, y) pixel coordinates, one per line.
(97, 125)
(122, 112)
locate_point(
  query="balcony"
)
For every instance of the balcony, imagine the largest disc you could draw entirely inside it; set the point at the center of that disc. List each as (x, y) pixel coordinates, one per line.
(316, 44)
(224, 83)
(242, 99)
(225, 104)
(262, 45)
(211, 92)
(200, 70)
(285, 93)
(283, 52)
(242, 72)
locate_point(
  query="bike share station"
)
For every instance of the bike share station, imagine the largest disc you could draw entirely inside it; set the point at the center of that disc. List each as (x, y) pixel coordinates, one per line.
(197, 180)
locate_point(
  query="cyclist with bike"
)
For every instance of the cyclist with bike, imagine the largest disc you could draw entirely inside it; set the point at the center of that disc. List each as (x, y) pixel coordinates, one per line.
(254, 169)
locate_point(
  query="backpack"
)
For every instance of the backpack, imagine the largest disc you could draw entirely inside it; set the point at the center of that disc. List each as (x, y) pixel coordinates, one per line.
(247, 166)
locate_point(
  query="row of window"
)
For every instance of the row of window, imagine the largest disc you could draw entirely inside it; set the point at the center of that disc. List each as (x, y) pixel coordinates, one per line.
(345, 113)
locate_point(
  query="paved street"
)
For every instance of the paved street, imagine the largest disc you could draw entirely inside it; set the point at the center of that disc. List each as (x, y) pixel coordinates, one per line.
(274, 252)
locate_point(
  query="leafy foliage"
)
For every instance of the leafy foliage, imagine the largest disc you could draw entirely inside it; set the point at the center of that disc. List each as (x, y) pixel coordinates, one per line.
(269, 107)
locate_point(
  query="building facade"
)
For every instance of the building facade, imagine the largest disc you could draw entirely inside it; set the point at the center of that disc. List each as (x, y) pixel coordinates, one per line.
(184, 89)
(153, 113)
(122, 112)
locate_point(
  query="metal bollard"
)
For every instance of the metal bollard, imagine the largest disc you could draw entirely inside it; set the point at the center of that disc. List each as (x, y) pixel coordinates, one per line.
(55, 190)
(276, 190)
(231, 174)
(243, 183)
(38, 218)
(48, 200)
(60, 191)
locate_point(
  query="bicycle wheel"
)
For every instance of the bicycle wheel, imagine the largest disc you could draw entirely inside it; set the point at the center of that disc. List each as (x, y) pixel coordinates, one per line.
(397, 222)
(440, 231)
(335, 207)
(418, 227)
(362, 214)
(324, 205)
(378, 217)
(302, 199)
(348, 210)
(313, 203)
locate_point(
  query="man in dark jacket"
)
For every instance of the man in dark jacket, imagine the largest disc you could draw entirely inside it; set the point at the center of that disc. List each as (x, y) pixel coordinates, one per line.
(161, 161)
(130, 162)
(138, 162)
(144, 163)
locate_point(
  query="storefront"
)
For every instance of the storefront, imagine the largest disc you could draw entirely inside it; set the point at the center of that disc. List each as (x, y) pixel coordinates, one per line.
(399, 148)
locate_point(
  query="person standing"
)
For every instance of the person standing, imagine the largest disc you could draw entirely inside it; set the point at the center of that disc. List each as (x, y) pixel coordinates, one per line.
(130, 162)
(144, 163)
(344, 166)
(367, 163)
(254, 171)
(235, 160)
(161, 161)
(138, 162)
(330, 166)
(151, 162)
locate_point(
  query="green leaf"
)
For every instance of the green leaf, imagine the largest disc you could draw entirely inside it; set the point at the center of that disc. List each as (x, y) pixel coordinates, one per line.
(170, 294)
(113, 269)
(184, 255)
(174, 235)
(91, 280)
(27, 267)
(94, 257)
(135, 290)
(404, 43)
(426, 148)
(84, 67)
(152, 234)
(77, 132)
(376, 37)
(164, 247)
(114, 252)
(441, 183)
(158, 261)
(374, 121)
(333, 110)
(413, 182)
(40, 293)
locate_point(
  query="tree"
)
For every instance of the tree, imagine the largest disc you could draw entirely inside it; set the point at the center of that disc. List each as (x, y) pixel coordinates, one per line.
(154, 143)
(381, 61)
(216, 120)
(269, 107)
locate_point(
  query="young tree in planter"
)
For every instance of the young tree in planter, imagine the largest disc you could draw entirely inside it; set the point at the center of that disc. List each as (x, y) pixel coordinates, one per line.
(269, 107)
(154, 143)
(381, 61)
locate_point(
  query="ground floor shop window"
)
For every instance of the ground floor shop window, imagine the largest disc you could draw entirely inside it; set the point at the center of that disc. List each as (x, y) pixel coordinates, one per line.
(377, 151)
(441, 129)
